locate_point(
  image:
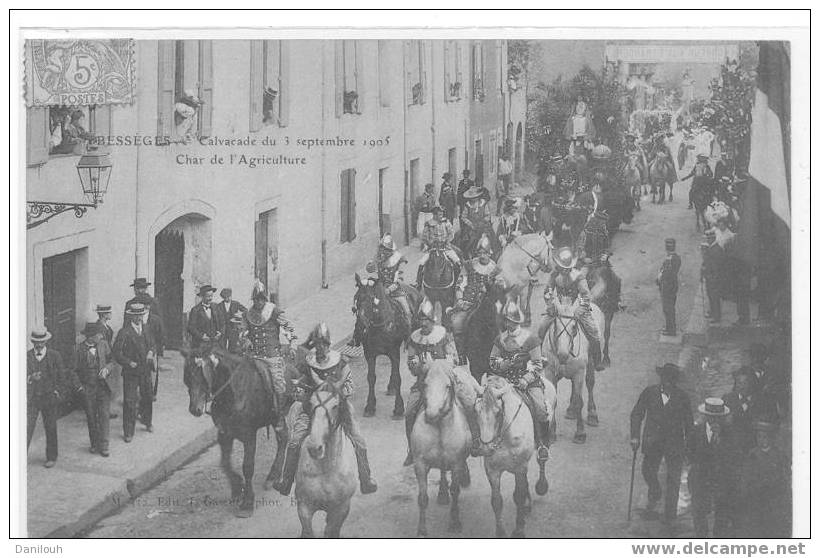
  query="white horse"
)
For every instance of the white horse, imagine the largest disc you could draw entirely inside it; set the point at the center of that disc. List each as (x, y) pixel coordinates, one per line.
(523, 263)
(440, 439)
(507, 431)
(326, 477)
(565, 353)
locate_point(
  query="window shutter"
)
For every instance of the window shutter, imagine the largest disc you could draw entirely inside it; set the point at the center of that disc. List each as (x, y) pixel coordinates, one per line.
(261, 247)
(206, 87)
(422, 72)
(358, 72)
(340, 77)
(459, 56)
(344, 212)
(384, 76)
(257, 66)
(284, 82)
(446, 70)
(37, 136)
(351, 219)
(165, 101)
(408, 85)
(102, 120)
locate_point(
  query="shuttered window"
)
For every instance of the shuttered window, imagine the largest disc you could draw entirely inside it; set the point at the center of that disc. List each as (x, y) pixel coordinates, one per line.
(269, 80)
(184, 67)
(478, 64)
(206, 87)
(37, 136)
(416, 84)
(453, 85)
(349, 78)
(384, 74)
(347, 210)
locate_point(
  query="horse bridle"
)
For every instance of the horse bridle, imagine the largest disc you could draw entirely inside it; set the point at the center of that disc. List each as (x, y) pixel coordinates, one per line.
(502, 429)
(541, 263)
(565, 322)
(323, 404)
(451, 396)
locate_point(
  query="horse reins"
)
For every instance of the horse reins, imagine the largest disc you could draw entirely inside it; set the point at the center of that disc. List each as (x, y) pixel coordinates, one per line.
(536, 259)
(564, 329)
(495, 443)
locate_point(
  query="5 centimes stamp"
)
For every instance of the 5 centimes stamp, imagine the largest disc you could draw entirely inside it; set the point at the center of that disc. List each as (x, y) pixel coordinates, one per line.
(79, 72)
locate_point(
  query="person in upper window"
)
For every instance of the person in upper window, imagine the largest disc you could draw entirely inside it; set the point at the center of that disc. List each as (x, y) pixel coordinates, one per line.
(74, 134)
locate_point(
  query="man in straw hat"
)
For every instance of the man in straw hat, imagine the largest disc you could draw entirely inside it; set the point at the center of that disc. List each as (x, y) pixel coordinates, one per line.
(134, 351)
(91, 363)
(711, 453)
(666, 415)
(204, 321)
(114, 379)
(45, 381)
(565, 281)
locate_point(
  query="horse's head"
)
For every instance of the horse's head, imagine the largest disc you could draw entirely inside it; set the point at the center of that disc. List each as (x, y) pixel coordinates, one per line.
(564, 331)
(198, 375)
(374, 304)
(439, 391)
(489, 409)
(325, 409)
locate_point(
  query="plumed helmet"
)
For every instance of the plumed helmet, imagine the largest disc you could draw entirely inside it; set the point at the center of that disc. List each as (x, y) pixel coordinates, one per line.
(387, 241)
(601, 152)
(484, 245)
(512, 312)
(259, 291)
(565, 258)
(320, 333)
(427, 310)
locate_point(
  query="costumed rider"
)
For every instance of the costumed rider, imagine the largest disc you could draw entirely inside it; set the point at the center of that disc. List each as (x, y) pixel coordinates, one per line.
(432, 342)
(322, 366)
(386, 267)
(516, 357)
(510, 225)
(437, 235)
(565, 281)
(473, 284)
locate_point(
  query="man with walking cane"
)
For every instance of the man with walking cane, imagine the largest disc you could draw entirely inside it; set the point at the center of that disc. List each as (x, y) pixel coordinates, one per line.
(667, 432)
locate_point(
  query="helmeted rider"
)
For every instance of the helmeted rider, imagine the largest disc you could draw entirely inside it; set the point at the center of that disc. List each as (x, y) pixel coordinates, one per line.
(262, 326)
(437, 235)
(516, 356)
(385, 265)
(511, 225)
(567, 281)
(321, 366)
(432, 342)
(473, 284)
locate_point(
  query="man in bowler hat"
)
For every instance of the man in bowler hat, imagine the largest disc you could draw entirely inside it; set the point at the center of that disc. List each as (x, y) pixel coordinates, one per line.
(227, 309)
(204, 321)
(91, 364)
(668, 284)
(141, 296)
(666, 415)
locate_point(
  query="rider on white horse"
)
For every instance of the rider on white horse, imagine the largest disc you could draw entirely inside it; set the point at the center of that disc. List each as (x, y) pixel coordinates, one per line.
(323, 366)
(432, 342)
(567, 281)
(516, 356)
(437, 235)
(476, 277)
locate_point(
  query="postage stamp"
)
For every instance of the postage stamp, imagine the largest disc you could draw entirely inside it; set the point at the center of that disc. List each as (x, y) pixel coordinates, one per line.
(79, 72)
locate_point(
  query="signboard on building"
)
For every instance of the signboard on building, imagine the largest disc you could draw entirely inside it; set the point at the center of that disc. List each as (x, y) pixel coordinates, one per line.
(79, 72)
(690, 53)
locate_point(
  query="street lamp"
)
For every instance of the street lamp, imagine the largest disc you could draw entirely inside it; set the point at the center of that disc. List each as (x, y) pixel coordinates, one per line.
(94, 170)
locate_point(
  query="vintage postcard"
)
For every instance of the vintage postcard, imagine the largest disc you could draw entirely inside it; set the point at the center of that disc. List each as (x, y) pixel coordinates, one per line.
(450, 283)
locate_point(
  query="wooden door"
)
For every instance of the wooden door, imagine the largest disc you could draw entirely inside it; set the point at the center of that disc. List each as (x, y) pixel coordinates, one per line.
(60, 301)
(169, 251)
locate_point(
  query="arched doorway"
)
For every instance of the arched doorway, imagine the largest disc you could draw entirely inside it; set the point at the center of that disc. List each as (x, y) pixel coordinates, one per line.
(519, 150)
(182, 262)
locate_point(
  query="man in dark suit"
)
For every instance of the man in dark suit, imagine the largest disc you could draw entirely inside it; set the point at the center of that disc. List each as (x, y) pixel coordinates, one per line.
(204, 323)
(114, 379)
(104, 322)
(667, 416)
(711, 456)
(744, 405)
(227, 309)
(463, 185)
(134, 352)
(91, 363)
(47, 382)
(668, 285)
(772, 388)
(712, 273)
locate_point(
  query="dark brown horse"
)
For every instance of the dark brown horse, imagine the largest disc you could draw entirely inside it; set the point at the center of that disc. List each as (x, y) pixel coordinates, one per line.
(438, 279)
(241, 402)
(384, 331)
(478, 332)
(605, 290)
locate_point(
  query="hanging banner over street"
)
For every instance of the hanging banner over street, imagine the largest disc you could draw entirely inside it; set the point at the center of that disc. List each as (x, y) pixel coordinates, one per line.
(691, 53)
(79, 72)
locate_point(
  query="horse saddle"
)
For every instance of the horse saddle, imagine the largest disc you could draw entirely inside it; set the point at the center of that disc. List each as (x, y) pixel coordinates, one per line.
(272, 372)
